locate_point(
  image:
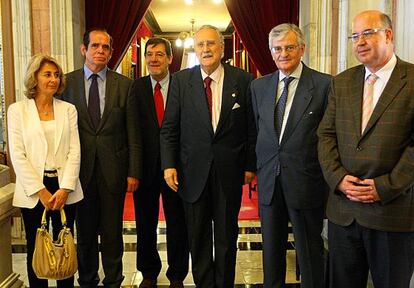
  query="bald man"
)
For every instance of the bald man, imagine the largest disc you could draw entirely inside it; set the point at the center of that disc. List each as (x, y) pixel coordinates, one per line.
(367, 155)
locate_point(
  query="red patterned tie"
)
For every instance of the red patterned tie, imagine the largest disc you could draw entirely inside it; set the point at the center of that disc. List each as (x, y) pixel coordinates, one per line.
(159, 103)
(209, 94)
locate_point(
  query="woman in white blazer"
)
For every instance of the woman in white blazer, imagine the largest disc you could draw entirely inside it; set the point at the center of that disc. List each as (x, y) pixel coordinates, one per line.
(45, 153)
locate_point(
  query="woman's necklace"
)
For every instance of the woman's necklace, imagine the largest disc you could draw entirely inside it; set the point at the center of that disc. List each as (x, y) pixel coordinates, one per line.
(45, 112)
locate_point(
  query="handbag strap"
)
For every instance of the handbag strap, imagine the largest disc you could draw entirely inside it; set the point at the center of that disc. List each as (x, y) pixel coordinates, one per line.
(62, 218)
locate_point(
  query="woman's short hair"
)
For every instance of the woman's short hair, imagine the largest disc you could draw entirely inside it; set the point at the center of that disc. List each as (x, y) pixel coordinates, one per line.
(30, 79)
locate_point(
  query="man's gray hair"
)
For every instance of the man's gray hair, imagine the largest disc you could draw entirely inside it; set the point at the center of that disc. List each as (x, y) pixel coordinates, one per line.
(386, 21)
(281, 30)
(221, 37)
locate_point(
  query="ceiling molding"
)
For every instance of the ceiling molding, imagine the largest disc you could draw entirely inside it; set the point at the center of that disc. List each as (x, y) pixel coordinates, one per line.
(151, 22)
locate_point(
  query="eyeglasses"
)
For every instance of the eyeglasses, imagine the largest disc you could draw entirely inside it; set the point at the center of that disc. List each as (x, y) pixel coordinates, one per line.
(156, 55)
(366, 34)
(288, 49)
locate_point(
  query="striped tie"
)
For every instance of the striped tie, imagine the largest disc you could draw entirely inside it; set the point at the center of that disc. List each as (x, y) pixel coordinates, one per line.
(368, 100)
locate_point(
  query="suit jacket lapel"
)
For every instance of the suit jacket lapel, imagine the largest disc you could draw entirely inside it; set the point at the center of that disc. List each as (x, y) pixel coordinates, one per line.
(391, 90)
(34, 116)
(356, 93)
(60, 115)
(228, 98)
(197, 94)
(301, 100)
(81, 101)
(269, 103)
(110, 96)
(149, 98)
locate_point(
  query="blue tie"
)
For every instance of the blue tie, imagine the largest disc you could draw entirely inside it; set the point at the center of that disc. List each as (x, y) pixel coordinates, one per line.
(281, 107)
(279, 113)
(94, 108)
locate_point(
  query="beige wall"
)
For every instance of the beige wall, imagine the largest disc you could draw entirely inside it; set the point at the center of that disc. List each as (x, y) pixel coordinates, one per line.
(52, 27)
(328, 23)
(404, 29)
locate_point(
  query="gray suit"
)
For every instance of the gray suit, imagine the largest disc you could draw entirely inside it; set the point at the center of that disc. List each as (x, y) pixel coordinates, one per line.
(299, 192)
(108, 156)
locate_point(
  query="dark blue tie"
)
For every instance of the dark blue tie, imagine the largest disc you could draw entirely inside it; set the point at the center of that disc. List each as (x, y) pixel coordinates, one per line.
(94, 108)
(281, 106)
(279, 113)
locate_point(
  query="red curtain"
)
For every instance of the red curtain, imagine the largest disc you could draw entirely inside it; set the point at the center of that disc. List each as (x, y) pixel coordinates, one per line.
(119, 18)
(253, 20)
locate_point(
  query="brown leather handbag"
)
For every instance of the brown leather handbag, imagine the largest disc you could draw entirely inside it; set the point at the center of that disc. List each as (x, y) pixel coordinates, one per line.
(54, 259)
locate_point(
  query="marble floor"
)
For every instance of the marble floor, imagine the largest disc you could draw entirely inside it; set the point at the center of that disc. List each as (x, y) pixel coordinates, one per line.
(249, 271)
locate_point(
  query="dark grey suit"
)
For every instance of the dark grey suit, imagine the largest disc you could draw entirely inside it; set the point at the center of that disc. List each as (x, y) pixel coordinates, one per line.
(210, 166)
(147, 198)
(299, 192)
(385, 153)
(108, 156)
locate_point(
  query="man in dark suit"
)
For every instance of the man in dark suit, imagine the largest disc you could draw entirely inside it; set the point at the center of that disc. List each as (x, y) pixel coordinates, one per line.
(207, 153)
(366, 149)
(151, 93)
(288, 106)
(110, 157)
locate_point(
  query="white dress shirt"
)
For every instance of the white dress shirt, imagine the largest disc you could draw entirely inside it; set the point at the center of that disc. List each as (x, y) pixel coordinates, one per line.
(383, 75)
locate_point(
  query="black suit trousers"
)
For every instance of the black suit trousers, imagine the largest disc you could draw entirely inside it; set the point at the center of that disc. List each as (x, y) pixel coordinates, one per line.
(354, 249)
(307, 228)
(146, 201)
(100, 214)
(214, 216)
(32, 219)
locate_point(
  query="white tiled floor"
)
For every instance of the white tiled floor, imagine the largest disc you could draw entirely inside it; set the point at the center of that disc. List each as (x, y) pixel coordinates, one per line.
(249, 270)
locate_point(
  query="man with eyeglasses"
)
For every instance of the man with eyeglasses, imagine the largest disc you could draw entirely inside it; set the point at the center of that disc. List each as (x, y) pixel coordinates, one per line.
(151, 93)
(110, 158)
(207, 153)
(366, 149)
(288, 106)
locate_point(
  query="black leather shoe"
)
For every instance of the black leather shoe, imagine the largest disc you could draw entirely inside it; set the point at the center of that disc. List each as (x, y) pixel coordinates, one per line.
(148, 283)
(176, 284)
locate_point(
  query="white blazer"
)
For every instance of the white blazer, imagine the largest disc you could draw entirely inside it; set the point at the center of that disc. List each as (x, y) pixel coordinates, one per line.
(28, 150)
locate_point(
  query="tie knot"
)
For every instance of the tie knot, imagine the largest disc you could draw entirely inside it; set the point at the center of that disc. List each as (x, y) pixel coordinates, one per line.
(157, 86)
(287, 80)
(94, 77)
(371, 79)
(207, 81)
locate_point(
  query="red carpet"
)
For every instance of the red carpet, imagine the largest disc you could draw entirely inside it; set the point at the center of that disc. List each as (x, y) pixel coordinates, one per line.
(248, 211)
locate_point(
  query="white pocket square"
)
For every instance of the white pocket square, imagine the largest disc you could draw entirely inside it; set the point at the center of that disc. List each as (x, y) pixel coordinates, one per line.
(236, 105)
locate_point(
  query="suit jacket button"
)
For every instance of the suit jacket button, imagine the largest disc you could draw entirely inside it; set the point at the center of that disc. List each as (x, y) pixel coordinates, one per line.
(359, 148)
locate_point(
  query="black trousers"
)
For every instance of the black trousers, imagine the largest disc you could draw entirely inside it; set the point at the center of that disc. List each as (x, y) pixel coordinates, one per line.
(146, 202)
(32, 219)
(307, 227)
(100, 214)
(354, 249)
(214, 217)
